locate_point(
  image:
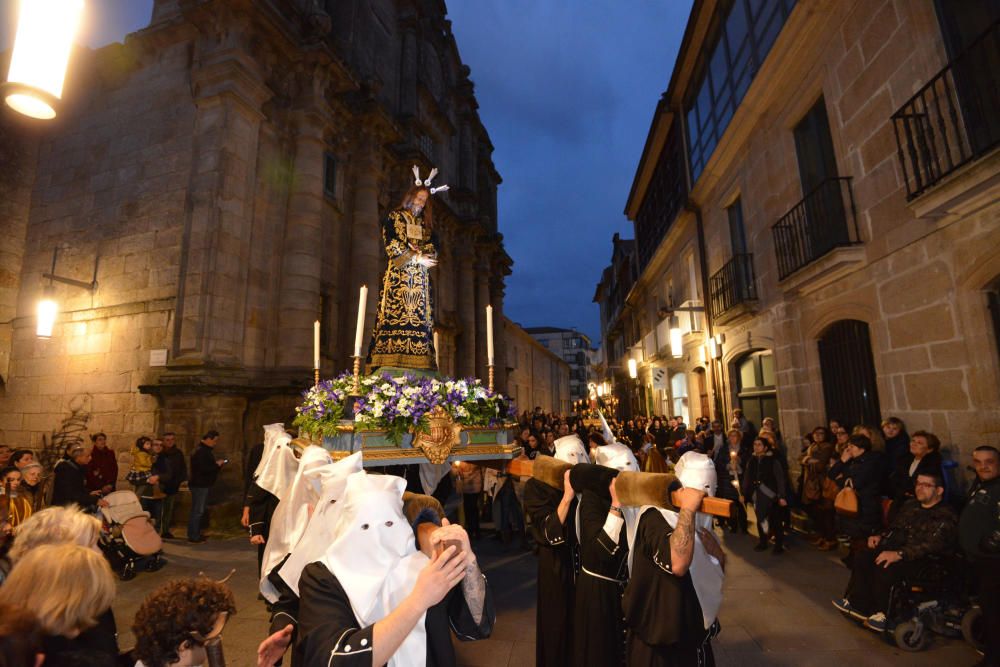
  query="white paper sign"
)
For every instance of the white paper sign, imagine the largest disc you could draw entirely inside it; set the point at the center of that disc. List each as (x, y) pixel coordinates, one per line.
(157, 357)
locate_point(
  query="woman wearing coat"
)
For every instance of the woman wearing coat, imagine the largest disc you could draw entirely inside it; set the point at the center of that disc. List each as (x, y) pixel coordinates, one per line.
(864, 469)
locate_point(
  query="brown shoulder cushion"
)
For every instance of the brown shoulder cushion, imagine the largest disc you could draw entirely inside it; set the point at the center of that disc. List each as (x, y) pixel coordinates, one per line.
(549, 470)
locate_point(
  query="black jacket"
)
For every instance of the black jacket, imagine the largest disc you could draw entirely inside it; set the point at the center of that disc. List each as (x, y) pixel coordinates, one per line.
(70, 485)
(204, 469)
(979, 528)
(865, 473)
(175, 469)
(919, 531)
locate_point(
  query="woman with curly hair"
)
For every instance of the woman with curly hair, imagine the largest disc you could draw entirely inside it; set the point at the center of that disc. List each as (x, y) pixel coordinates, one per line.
(178, 619)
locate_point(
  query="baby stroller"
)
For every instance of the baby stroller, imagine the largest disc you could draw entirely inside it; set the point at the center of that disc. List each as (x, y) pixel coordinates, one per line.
(128, 538)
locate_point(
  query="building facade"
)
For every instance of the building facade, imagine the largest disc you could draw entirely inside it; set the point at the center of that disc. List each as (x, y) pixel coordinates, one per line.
(222, 176)
(822, 179)
(536, 376)
(572, 347)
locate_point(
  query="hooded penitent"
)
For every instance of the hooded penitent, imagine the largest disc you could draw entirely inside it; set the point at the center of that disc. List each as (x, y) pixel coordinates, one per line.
(278, 464)
(570, 449)
(617, 456)
(694, 470)
(292, 513)
(374, 557)
(319, 531)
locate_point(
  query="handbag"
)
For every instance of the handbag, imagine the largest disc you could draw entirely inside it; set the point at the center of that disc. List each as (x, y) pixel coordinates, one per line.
(846, 502)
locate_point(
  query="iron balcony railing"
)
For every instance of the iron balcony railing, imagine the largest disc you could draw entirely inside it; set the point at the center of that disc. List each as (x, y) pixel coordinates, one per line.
(732, 285)
(954, 118)
(825, 219)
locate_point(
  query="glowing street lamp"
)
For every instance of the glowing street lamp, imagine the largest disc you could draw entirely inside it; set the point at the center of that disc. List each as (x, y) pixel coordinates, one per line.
(633, 369)
(44, 39)
(46, 314)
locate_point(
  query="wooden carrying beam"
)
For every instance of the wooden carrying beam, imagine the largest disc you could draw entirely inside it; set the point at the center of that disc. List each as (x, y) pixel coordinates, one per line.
(634, 489)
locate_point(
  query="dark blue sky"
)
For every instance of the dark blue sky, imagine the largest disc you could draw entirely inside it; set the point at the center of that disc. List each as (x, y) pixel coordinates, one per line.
(566, 90)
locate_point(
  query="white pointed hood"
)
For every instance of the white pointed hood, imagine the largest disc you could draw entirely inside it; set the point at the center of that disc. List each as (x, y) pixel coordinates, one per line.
(292, 513)
(278, 464)
(319, 531)
(375, 558)
(616, 455)
(570, 449)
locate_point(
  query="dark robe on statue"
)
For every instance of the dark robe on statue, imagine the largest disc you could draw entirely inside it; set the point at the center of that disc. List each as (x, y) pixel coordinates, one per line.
(598, 627)
(329, 635)
(556, 573)
(664, 618)
(404, 318)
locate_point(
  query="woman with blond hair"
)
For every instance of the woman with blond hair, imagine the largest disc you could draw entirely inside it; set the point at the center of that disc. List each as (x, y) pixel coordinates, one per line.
(69, 588)
(55, 525)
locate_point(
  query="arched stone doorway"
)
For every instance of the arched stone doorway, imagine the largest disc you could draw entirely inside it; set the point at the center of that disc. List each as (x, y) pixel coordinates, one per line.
(850, 391)
(756, 386)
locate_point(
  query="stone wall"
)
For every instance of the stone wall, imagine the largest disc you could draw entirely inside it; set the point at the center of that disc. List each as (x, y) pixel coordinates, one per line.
(190, 167)
(537, 376)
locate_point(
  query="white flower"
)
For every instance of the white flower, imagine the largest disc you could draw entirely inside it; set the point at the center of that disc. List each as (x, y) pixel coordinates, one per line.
(461, 411)
(410, 391)
(479, 392)
(386, 388)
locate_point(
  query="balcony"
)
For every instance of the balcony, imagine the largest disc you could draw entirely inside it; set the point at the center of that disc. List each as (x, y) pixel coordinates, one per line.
(823, 221)
(733, 289)
(953, 119)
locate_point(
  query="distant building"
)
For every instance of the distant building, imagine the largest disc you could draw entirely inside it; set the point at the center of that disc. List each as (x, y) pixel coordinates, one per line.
(824, 177)
(572, 347)
(536, 377)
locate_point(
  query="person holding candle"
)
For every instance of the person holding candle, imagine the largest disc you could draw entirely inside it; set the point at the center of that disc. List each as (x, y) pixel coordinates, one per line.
(404, 321)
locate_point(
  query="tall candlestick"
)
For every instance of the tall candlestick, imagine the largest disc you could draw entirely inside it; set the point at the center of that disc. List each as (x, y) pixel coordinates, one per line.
(360, 331)
(437, 355)
(489, 335)
(316, 345)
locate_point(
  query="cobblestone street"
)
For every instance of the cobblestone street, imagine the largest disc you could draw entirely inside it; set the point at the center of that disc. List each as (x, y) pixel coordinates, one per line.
(776, 612)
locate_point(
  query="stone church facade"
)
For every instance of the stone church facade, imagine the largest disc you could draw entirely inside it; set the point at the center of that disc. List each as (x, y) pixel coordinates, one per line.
(222, 175)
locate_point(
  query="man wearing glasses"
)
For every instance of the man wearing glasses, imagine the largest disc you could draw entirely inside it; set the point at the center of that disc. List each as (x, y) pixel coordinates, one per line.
(925, 526)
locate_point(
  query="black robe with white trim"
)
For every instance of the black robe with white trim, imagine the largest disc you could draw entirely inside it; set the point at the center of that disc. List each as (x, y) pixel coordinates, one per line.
(662, 612)
(329, 635)
(556, 542)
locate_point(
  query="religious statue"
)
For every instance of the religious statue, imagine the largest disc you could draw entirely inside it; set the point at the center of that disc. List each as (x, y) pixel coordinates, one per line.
(404, 320)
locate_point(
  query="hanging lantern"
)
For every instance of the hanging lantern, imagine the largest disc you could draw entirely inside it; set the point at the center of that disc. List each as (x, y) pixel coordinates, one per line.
(45, 31)
(633, 369)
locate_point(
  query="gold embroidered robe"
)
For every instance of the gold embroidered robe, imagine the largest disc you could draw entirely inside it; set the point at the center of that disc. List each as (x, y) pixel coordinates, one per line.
(404, 322)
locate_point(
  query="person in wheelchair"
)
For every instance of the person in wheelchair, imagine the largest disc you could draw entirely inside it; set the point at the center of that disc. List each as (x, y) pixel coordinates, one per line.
(925, 526)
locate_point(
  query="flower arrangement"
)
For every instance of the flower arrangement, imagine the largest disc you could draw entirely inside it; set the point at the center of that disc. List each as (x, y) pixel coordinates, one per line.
(399, 405)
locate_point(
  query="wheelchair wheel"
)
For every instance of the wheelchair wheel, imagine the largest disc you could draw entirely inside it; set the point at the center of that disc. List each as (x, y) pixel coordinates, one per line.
(910, 636)
(972, 627)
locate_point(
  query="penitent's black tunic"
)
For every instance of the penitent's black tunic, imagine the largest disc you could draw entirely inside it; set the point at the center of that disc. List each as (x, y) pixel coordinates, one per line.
(556, 570)
(664, 618)
(329, 635)
(598, 628)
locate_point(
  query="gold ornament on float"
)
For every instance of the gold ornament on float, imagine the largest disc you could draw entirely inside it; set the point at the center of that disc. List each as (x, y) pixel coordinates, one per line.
(441, 437)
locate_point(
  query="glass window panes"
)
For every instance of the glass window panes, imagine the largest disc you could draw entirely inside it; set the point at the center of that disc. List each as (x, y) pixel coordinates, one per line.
(746, 33)
(767, 370)
(748, 373)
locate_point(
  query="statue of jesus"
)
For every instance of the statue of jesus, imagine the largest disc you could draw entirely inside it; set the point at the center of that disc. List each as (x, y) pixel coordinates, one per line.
(404, 320)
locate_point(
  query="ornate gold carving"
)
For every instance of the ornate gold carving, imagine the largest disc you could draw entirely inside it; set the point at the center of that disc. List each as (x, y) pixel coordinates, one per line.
(442, 436)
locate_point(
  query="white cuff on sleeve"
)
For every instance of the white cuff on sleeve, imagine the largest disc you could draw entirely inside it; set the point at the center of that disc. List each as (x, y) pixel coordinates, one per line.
(613, 526)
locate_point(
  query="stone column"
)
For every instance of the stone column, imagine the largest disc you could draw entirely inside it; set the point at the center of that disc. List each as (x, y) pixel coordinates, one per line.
(366, 243)
(465, 357)
(302, 252)
(215, 242)
(482, 300)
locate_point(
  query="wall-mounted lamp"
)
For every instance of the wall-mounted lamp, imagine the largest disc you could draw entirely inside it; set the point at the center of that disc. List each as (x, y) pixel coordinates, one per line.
(715, 346)
(42, 45)
(633, 369)
(600, 390)
(47, 309)
(676, 338)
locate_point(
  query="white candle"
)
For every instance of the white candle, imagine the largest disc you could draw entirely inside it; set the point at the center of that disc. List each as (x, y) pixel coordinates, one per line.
(316, 344)
(489, 334)
(437, 356)
(360, 331)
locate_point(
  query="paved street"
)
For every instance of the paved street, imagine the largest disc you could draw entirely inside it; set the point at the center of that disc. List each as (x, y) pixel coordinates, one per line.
(776, 611)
